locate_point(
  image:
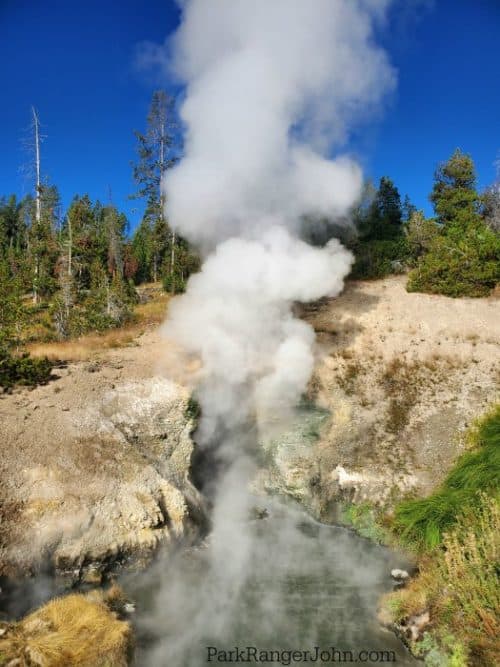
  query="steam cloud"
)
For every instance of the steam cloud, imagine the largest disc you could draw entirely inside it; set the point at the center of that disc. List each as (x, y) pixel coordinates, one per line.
(272, 88)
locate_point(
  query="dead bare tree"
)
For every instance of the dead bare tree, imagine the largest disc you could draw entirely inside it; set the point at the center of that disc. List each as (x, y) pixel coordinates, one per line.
(491, 202)
(38, 195)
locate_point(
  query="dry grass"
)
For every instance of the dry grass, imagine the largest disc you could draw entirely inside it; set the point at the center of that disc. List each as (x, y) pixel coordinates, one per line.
(348, 381)
(403, 382)
(86, 347)
(459, 586)
(78, 630)
(400, 382)
(153, 311)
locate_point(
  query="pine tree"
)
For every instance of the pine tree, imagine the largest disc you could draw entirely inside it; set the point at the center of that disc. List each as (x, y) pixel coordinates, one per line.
(388, 209)
(454, 194)
(115, 226)
(42, 240)
(381, 247)
(157, 151)
(16, 368)
(11, 227)
(463, 259)
(12, 311)
(82, 230)
(408, 209)
(142, 249)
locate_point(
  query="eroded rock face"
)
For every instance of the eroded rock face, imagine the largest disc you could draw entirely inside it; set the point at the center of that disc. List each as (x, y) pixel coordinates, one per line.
(118, 488)
(401, 377)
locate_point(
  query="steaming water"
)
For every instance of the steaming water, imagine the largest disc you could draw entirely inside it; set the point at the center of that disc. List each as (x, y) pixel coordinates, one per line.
(306, 585)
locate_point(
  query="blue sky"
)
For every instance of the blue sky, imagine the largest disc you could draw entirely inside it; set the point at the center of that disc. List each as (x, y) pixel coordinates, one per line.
(74, 60)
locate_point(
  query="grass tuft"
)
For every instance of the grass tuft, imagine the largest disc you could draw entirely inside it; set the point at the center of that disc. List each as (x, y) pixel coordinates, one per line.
(363, 518)
(422, 523)
(78, 630)
(458, 585)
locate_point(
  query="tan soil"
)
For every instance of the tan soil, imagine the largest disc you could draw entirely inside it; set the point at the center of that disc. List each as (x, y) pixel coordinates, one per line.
(403, 375)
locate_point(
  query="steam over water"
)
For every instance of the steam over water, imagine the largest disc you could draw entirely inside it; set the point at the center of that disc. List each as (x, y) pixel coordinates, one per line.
(304, 585)
(272, 91)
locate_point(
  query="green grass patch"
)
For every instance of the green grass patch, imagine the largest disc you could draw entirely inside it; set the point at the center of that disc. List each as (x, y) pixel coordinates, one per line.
(458, 585)
(422, 523)
(363, 518)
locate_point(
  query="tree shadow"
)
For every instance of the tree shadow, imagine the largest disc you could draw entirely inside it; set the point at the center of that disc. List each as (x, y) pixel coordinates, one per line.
(336, 319)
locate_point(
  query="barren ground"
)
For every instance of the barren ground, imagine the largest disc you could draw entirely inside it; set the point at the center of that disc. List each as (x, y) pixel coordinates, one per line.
(403, 376)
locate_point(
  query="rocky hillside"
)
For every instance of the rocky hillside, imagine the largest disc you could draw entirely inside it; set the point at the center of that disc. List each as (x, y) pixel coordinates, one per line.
(399, 376)
(95, 466)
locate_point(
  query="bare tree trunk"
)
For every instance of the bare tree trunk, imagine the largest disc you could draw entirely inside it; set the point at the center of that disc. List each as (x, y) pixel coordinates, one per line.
(162, 152)
(70, 246)
(36, 126)
(35, 279)
(172, 255)
(38, 203)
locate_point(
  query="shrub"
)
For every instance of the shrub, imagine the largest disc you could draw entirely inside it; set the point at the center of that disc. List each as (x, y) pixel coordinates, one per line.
(363, 518)
(423, 522)
(378, 258)
(459, 264)
(174, 283)
(193, 409)
(105, 306)
(420, 233)
(23, 370)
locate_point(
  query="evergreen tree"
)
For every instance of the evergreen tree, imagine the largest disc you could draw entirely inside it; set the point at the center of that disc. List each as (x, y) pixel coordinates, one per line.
(454, 194)
(381, 247)
(157, 151)
(42, 244)
(408, 209)
(385, 214)
(463, 259)
(12, 311)
(388, 203)
(142, 249)
(11, 228)
(83, 229)
(16, 368)
(115, 225)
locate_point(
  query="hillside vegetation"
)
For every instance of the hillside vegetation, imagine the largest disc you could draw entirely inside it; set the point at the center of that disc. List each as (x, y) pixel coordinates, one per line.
(456, 253)
(456, 531)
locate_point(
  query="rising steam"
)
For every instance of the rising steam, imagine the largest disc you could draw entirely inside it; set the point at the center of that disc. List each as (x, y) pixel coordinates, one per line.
(272, 88)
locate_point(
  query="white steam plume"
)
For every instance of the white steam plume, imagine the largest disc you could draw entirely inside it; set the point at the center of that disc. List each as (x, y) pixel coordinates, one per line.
(271, 86)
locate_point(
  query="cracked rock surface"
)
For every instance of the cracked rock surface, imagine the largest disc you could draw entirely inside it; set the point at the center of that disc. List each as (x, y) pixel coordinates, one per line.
(95, 467)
